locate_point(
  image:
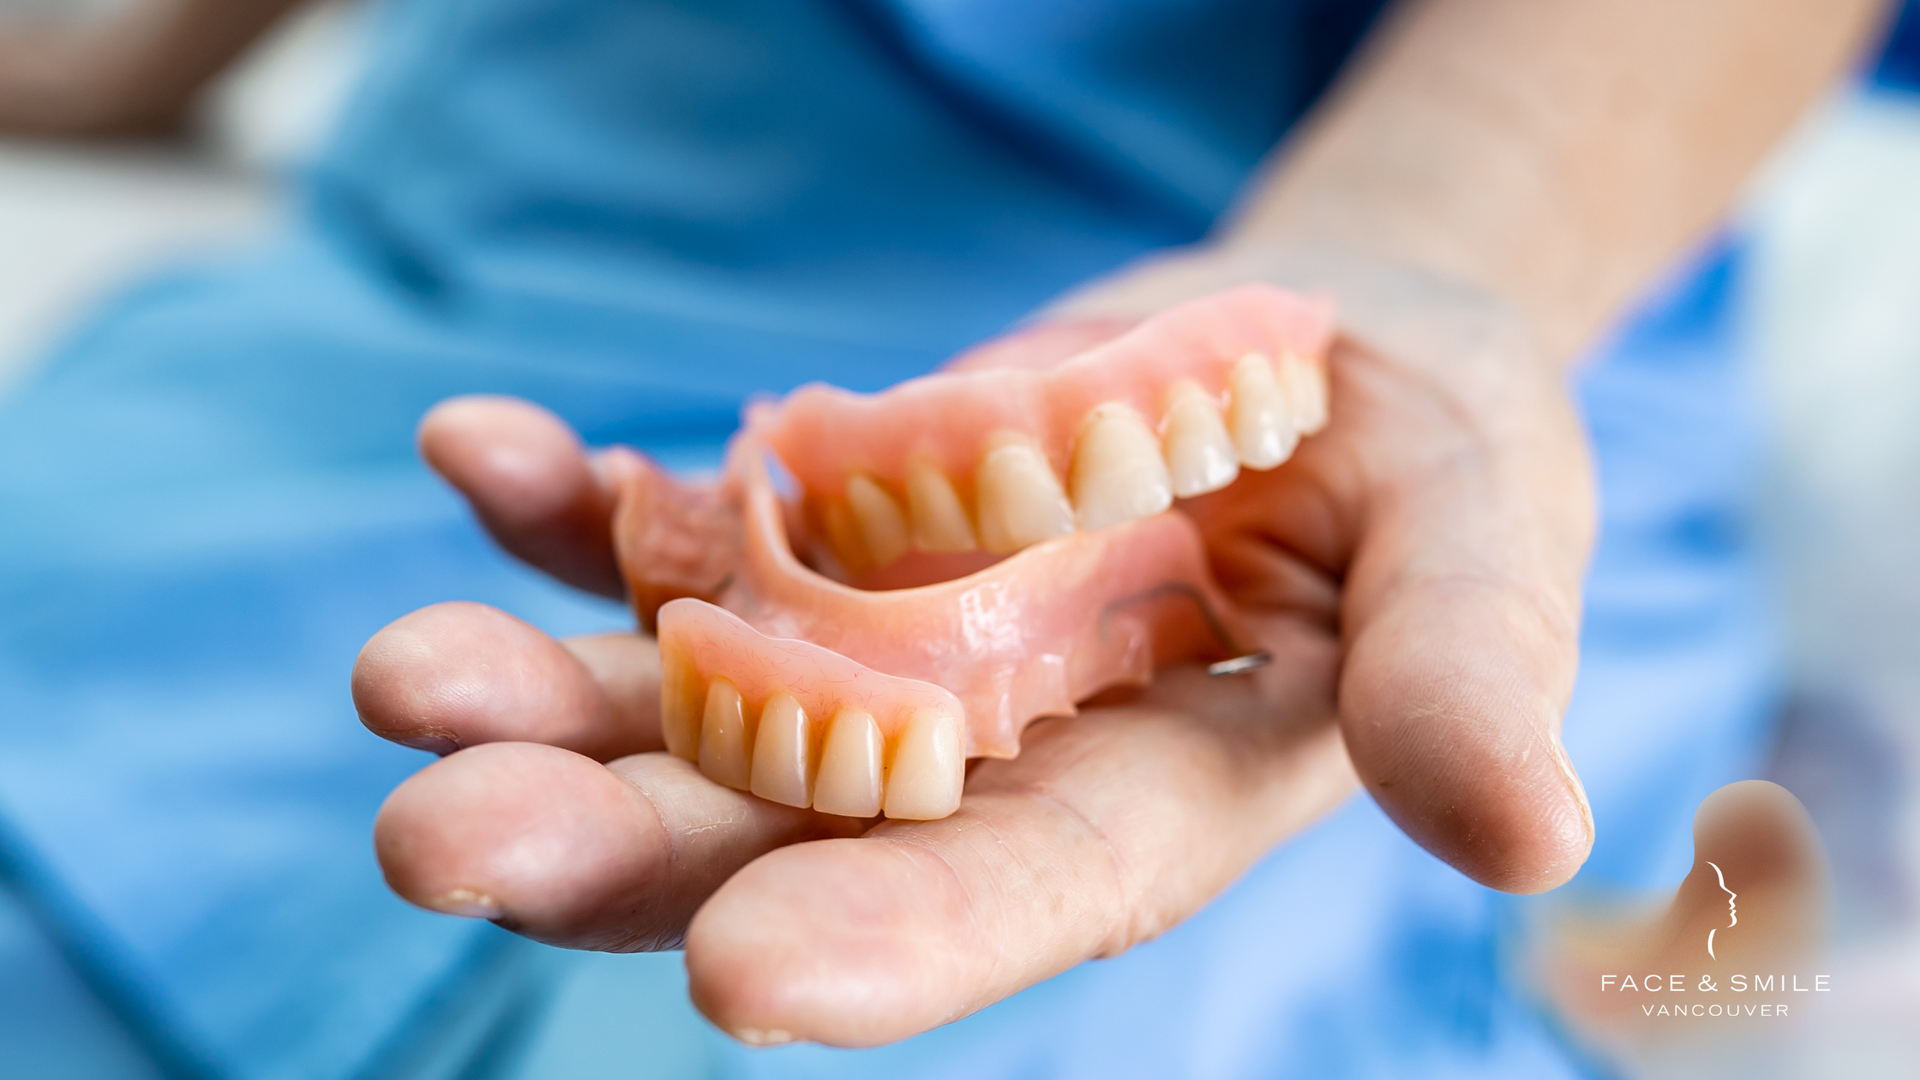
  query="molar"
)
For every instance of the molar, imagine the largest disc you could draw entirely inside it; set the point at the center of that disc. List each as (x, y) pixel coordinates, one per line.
(940, 522)
(928, 768)
(726, 742)
(1200, 455)
(1020, 500)
(850, 767)
(783, 752)
(1117, 474)
(882, 525)
(1259, 416)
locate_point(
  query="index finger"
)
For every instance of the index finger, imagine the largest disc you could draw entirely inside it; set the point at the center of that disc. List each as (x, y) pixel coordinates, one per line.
(1109, 828)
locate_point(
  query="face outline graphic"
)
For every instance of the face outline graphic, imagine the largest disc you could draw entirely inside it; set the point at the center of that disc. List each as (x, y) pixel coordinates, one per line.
(1733, 913)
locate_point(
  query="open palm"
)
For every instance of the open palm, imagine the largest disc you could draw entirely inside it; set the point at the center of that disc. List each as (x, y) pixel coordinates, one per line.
(1414, 570)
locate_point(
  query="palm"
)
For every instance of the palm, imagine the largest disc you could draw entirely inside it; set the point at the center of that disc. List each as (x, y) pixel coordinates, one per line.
(1353, 561)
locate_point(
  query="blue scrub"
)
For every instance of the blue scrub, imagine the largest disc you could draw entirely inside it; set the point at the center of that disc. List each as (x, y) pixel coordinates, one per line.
(638, 213)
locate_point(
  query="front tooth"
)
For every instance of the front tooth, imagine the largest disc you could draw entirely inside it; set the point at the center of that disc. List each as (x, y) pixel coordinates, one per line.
(1306, 387)
(1020, 500)
(726, 746)
(849, 780)
(682, 699)
(783, 752)
(1117, 474)
(1200, 456)
(882, 524)
(1259, 417)
(939, 518)
(928, 768)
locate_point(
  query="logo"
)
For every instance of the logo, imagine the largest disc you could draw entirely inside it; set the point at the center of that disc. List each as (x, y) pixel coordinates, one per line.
(1733, 913)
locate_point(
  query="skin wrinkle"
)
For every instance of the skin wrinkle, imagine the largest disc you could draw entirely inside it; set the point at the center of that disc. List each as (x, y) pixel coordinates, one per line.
(1303, 587)
(649, 828)
(1467, 459)
(995, 957)
(1556, 624)
(1449, 819)
(1122, 882)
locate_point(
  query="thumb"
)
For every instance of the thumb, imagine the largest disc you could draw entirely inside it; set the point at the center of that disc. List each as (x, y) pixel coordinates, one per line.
(1462, 622)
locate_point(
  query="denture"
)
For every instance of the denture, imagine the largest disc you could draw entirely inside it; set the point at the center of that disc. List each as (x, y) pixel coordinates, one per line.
(948, 560)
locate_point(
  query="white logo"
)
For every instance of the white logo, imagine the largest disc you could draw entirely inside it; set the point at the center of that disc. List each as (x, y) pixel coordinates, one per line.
(1733, 913)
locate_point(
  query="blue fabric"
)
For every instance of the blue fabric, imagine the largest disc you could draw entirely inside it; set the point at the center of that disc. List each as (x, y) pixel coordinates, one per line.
(1898, 65)
(639, 213)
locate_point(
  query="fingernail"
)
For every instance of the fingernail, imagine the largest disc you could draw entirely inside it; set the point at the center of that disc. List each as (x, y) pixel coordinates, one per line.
(1573, 784)
(431, 741)
(468, 904)
(758, 1037)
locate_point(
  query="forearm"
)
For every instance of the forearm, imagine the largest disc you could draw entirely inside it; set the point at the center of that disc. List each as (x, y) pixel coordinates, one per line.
(1557, 154)
(134, 70)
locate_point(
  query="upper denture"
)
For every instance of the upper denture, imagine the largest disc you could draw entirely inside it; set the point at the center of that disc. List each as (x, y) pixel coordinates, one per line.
(1254, 353)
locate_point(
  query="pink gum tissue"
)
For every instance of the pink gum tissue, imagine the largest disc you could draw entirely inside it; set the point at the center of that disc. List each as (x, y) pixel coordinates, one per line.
(802, 725)
(1000, 459)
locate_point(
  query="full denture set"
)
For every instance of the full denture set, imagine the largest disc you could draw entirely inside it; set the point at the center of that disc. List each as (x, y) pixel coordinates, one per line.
(962, 554)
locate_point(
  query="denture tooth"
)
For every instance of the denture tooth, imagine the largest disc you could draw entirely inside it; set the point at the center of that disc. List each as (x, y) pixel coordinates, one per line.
(881, 523)
(1020, 499)
(850, 764)
(1117, 474)
(928, 768)
(783, 752)
(1259, 417)
(682, 700)
(1200, 456)
(939, 518)
(843, 537)
(1306, 389)
(726, 745)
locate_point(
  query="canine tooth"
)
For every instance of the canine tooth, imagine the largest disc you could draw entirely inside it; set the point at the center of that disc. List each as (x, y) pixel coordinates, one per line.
(843, 536)
(682, 700)
(1200, 456)
(1306, 388)
(939, 518)
(783, 752)
(849, 780)
(881, 523)
(726, 746)
(1117, 474)
(1259, 416)
(928, 768)
(1020, 500)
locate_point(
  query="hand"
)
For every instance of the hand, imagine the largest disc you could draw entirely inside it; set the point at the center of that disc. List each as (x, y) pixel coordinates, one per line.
(1414, 569)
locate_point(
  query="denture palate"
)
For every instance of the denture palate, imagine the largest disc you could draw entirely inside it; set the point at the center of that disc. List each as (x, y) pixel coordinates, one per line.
(1002, 459)
(809, 691)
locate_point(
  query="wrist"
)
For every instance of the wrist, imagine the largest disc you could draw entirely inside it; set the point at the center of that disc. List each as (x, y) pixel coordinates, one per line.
(1402, 308)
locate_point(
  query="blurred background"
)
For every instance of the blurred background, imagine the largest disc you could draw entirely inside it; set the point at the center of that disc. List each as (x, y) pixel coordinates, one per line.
(1833, 317)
